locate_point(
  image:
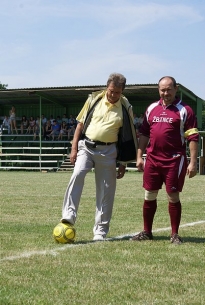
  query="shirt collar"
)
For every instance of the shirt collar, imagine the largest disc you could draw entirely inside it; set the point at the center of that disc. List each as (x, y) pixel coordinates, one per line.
(117, 104)
(175, 102)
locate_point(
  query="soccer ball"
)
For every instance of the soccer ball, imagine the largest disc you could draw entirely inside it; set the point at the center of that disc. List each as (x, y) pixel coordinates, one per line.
(64, 233)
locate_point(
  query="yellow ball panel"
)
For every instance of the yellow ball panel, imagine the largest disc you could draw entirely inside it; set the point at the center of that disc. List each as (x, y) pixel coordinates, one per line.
(64, 233)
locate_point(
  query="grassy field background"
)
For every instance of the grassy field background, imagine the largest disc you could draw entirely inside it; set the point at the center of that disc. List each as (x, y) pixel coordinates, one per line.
(36, 270)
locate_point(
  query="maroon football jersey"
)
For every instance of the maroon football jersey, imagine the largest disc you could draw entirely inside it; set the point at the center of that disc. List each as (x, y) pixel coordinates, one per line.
(166, 127)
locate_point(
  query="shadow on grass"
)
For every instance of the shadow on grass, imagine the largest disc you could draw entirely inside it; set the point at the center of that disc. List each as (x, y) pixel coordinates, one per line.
(197, 240)
(187, 239)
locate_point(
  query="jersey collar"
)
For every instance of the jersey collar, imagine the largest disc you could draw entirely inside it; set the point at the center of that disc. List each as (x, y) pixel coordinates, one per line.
(175, 102)
(117, 104)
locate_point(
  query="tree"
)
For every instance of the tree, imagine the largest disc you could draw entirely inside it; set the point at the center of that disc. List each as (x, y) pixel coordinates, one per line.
(203, 116)
(3, 86)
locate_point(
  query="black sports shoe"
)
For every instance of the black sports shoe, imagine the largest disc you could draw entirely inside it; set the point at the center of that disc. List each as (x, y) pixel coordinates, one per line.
(176, 239)
(142, 236)
(66, 221)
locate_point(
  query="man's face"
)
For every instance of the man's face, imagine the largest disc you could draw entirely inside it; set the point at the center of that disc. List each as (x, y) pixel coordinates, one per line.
(113, 93)
(167, 91)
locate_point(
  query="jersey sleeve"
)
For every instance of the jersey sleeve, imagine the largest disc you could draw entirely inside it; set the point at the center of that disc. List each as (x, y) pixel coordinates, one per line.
(83, 113)
(191, 132)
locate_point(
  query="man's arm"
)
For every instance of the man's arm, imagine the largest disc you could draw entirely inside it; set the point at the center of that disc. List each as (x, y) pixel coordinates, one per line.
(192, 167)
(76, 137)
(143, 141)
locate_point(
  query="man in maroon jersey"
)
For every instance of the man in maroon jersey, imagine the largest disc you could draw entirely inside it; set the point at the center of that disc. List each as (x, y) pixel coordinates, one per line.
(168, 124)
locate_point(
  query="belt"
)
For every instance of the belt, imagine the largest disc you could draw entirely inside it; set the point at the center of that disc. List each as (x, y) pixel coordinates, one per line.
(98, 142)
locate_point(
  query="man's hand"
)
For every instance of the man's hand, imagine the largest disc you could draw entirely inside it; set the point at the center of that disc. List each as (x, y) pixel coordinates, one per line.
(191, 170)
(121, 171)
(192, 167)
(140, 164)
(73, 156)
(76, 137)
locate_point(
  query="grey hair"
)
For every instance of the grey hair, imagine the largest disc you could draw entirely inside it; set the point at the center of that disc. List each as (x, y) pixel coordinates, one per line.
(170, 77)
(117, 79)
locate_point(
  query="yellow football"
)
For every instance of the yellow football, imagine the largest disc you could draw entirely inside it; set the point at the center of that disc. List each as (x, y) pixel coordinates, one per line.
(64, 233)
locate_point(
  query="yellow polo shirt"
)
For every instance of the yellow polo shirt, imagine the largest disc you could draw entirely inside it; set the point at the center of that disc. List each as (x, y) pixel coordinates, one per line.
(106, 120)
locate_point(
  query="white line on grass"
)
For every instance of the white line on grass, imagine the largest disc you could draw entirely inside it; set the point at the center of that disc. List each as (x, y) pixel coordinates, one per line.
(54, 252)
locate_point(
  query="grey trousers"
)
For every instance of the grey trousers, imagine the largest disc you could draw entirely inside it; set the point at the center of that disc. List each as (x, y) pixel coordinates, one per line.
(103, 159)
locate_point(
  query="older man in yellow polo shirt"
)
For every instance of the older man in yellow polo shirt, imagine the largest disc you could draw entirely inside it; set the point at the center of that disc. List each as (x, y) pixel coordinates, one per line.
(105, 134)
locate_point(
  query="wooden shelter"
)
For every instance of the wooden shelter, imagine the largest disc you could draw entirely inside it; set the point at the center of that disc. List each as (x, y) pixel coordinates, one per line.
(57, 101)
(60, 100)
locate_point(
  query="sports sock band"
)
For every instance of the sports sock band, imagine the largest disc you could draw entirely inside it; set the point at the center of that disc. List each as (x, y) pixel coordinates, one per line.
(149, 209)
(175, 210)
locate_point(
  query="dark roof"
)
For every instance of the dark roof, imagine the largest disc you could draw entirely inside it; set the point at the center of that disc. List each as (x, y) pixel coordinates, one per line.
(69, 95)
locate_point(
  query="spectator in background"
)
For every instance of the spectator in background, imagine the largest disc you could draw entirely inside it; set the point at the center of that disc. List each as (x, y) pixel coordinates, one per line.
(12, 114)
(36, 128)
(48, 130)
(71, 126)
(135, 120)
(59, 120)
(64, 118)
(140, 120)
(43, 123)
(31, 126)
(24, 123)
(55, 130)
(63, 130)
(6, 124)
(136, 124)
(51, 119)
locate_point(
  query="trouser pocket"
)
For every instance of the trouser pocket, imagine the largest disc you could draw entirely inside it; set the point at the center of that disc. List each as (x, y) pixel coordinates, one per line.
(90, 144)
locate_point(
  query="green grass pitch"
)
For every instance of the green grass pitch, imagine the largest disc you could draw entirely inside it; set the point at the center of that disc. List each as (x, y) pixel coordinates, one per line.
(35, 270)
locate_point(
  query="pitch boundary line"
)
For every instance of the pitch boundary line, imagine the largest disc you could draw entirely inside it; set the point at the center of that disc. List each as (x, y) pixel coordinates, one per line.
(54, 252)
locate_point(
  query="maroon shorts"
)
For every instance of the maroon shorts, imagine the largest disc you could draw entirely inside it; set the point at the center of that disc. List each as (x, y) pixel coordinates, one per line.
(172, 173)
